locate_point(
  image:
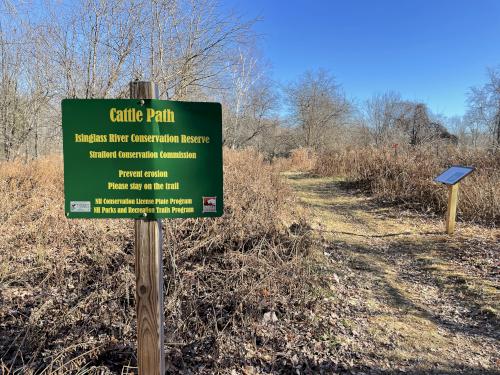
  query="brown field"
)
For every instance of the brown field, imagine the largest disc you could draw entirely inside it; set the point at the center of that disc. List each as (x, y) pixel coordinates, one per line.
(404, 298)
(301, 275)
(67, 286)
(406, 177)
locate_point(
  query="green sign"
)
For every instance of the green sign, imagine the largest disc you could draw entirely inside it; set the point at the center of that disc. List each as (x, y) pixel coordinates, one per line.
(130, 158)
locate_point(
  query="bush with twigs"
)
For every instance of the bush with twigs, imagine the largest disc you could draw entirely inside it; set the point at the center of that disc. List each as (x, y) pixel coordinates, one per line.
(405, 177)
(299, 160)
(67, 286)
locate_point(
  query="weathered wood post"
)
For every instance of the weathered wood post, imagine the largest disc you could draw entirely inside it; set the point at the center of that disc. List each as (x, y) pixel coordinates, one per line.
(451, 212)
(143, 159)
(149, 276)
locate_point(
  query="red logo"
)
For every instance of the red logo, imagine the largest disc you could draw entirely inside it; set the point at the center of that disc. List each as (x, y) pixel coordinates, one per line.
(209, 204)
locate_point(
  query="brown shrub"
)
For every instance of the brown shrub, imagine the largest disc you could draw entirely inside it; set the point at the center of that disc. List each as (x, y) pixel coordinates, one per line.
(300, 160)
(67, 286)
(406, 177)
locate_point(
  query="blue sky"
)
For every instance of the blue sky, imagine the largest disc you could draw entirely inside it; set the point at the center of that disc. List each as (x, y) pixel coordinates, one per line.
(432, 51)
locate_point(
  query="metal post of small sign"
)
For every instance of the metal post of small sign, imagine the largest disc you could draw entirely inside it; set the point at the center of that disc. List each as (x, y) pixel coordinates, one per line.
(149, 276)
(452, 177)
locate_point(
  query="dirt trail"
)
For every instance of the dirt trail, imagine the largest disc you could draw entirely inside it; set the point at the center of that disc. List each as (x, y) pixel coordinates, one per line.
(411, 299)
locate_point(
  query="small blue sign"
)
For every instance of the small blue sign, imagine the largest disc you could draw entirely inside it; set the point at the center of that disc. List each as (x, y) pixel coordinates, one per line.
(454, 174)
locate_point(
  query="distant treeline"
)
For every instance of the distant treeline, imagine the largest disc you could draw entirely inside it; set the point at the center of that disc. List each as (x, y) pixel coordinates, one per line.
(50, 50)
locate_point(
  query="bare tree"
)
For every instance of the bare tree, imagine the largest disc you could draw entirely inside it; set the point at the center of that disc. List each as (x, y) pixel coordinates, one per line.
(191, 45)
(243, 75)
(16, 103)
(318, 108)
(382, 112)
(391, 119)
(249, 102)
(484, 107)
(92, 48)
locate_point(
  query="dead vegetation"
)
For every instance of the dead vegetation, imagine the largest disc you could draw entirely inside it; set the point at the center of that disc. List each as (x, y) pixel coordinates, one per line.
(405, 177)
(405, 297)
(67, 286)
(300, 160)
(355, 289)
(248, 293)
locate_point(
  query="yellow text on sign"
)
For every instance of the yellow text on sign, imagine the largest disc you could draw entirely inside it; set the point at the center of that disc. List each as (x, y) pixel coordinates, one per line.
(137, 115)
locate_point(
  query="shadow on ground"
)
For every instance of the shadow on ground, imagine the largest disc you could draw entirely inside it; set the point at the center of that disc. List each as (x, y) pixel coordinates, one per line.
(428, 259)
(421, 302)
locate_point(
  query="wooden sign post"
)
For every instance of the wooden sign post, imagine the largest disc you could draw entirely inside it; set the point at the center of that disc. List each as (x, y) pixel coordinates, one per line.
(451, 212)
(144, 159)
(452, 177)
(149, 276)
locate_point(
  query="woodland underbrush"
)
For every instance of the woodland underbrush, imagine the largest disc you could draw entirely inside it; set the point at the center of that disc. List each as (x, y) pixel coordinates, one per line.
(405, 177)
(67, 287)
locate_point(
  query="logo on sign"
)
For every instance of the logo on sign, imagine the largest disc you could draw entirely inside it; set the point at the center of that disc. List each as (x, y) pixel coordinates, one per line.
(209, 204)
(79, 206)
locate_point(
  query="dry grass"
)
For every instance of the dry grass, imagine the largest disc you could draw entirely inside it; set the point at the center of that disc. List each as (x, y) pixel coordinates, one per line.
(407, 177)
(300, 159)
(67, 286)
(410, 298)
